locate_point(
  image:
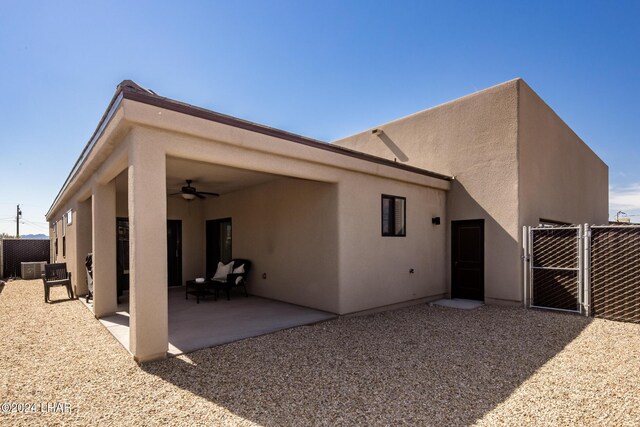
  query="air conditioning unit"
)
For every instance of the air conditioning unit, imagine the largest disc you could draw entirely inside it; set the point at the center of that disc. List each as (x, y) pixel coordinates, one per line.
(32, 270)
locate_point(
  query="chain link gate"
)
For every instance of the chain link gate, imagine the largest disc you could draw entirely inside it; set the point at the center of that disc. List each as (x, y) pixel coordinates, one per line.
(587, 269)
(554, 261)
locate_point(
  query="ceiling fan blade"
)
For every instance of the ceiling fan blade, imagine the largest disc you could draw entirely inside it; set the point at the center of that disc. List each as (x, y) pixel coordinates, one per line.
(175, 194)
(199, 196)
(209, 194)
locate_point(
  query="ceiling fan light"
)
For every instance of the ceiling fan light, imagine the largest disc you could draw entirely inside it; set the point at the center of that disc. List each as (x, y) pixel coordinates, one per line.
(188, 196)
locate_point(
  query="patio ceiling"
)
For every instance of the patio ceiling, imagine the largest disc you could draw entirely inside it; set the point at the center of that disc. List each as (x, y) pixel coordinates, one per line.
(212, 178)
(206, 177)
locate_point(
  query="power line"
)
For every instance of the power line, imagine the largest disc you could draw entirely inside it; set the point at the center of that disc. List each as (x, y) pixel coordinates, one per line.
(36, 222)
(13, 219)
(41, 227)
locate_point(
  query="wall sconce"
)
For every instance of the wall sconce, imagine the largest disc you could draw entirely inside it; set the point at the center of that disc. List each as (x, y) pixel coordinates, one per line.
(435, 220)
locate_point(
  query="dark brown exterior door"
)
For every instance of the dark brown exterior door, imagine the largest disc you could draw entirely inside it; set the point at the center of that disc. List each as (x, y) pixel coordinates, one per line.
(218, 243)
(467, 259)
(174, 252)
(122, 255)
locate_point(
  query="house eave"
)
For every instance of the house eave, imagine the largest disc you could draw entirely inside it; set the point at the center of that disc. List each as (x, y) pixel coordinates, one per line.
(131, 91)
(180, 107)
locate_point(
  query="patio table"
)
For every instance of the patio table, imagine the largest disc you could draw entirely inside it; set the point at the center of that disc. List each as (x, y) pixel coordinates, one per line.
(199, 289)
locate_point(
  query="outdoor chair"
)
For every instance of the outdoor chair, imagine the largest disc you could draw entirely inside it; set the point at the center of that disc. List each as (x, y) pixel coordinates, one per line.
(56, 275)
(235, 279)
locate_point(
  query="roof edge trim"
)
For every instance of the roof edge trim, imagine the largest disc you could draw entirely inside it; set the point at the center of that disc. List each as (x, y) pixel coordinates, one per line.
(179, 107)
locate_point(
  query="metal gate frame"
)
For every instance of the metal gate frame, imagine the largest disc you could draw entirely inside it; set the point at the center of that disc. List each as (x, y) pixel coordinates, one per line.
(586, 276)
(582, 266)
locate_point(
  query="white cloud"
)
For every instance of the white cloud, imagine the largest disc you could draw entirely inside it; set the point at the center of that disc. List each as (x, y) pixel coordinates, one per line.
(625, 198)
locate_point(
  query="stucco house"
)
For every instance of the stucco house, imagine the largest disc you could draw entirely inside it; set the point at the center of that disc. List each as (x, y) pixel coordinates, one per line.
(428, 206)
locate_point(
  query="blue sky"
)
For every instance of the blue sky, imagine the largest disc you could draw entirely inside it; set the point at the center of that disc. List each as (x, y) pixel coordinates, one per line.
(322, 69)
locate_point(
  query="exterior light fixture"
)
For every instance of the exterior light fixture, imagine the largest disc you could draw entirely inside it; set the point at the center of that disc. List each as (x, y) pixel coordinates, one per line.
(435, 220)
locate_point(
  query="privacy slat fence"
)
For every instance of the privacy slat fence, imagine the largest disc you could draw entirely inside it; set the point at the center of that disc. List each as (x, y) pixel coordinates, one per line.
(16, 251)
(592, 270)
(615, 273)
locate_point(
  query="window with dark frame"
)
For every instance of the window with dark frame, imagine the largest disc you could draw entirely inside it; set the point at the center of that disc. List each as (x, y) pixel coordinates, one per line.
(55, 234)
(394, 216)
(64, 237)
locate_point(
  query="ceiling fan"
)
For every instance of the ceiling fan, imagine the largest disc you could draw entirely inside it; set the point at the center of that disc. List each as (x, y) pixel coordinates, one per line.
(189, 193)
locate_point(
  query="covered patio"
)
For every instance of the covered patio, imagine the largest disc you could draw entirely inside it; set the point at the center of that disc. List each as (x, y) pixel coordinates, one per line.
(196, 326)
(277, 291)
(158, 260)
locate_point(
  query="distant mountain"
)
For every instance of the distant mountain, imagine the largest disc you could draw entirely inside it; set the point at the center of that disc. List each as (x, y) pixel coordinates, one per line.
(34, 236)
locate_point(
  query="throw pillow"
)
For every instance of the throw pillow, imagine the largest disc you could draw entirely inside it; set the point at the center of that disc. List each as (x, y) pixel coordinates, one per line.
(222, 271)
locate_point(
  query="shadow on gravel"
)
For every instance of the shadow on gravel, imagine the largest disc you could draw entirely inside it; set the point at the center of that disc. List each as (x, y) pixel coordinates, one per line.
(60, 301)
(418, 366)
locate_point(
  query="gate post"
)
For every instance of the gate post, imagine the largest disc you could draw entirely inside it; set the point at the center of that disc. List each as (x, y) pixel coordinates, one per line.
(525, 265)
(586, 275)
(581, 267)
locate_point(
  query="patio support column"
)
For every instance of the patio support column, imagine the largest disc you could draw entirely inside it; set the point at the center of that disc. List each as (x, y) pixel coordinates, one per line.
(103, 212)
(148, 294)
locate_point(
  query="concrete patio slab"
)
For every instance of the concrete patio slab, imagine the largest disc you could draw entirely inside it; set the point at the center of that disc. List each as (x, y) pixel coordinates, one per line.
(196, 326)
(463, 304)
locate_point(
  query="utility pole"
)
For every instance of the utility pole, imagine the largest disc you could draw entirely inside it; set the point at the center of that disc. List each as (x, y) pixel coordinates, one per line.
(18, 215)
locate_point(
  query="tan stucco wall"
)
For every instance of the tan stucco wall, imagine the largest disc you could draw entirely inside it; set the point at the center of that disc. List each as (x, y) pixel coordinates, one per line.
(103, 212)
(55, 227)
(474, 139)
(561, 178)
(288, 229)
(148, 297)
(375, 269)
(76, 268)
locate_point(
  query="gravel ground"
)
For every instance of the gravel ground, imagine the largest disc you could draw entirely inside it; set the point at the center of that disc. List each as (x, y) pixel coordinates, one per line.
(416, 366)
